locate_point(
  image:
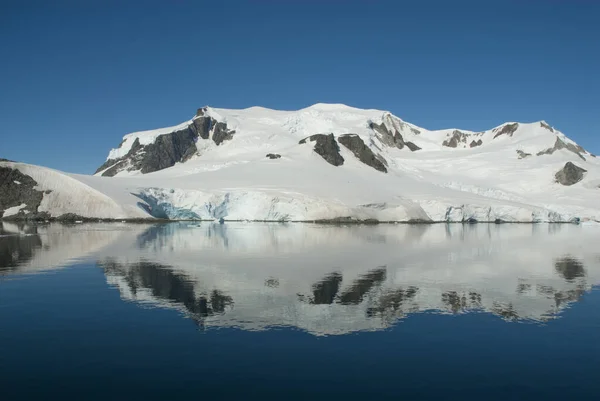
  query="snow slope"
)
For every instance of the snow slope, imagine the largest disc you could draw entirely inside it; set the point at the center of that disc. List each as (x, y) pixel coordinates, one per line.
(487, 176)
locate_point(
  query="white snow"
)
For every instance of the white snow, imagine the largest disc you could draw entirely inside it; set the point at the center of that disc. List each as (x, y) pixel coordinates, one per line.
(235, 181)
(17, 182)
(11, 211)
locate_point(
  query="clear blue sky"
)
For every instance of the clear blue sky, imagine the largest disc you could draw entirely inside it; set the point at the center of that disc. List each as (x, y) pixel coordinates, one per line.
(78, 75)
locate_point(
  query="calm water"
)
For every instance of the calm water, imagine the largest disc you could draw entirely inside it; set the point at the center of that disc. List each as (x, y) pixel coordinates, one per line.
(294, 312)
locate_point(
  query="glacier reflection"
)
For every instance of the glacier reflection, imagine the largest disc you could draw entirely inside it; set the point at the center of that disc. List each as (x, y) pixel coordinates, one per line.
(324, 279)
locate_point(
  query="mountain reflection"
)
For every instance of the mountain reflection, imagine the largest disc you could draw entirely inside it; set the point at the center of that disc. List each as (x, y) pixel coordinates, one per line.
(325, 291)
(394, 304)
(461, 302)
(323, 279)
(359, 288)
(164, 284)
(570, 268)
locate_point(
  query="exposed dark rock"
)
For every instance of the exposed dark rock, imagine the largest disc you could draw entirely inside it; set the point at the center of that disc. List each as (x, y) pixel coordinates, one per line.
(382, 160)
(415, 131)
(346, 220)
(273, 156)
(412, 146)
(327, 147)
(111, 172)
(570, 174)
(475, 143)
(200, 112)
(559, 144)
(456, 138)
(593, 155)
(16, 189)
(272, 282)
(392, 138)
(361, 151)
(522, 154)
(108, 163)
(544, 125)
(221, 133)
(202, 126)
(420, 221)
(168, 149)
(5, 160)
(189, 153)
(507, 129)
(29, 217)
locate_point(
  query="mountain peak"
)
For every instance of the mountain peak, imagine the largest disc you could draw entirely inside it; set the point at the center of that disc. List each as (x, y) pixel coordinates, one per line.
(251, 131)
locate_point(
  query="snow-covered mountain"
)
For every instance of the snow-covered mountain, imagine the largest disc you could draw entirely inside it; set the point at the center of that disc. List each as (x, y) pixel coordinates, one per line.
(324, 162)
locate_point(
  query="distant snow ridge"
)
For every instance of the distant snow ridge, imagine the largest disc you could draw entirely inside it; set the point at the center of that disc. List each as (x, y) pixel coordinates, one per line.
(326, 162)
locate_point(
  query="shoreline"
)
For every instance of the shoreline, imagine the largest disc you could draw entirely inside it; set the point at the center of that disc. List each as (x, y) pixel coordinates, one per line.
(74, 219)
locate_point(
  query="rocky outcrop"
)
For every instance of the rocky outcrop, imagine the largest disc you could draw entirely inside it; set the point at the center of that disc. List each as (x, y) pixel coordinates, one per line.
(221, 133)
(570, 174)
(273, 156)
(522, 154)
(394, 138)
(362, 152)
(327, 147)
(168, 149)
(506, 129)
(411, 145)
(457, 137)
(560, 144)
(17, 189)
(546, 126)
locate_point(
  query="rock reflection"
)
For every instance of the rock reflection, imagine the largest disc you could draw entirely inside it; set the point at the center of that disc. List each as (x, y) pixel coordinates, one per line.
(355, 294)
(569, 268)
(394, 304)
(461, 302)
(16, 250)
(325, 291)
(506, 311)
(164, 284)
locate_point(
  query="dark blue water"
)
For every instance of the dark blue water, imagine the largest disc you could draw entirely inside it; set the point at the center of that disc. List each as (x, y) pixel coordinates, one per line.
(295, 312)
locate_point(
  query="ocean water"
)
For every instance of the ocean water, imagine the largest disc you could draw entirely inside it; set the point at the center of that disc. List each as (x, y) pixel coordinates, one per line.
(299, 312)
